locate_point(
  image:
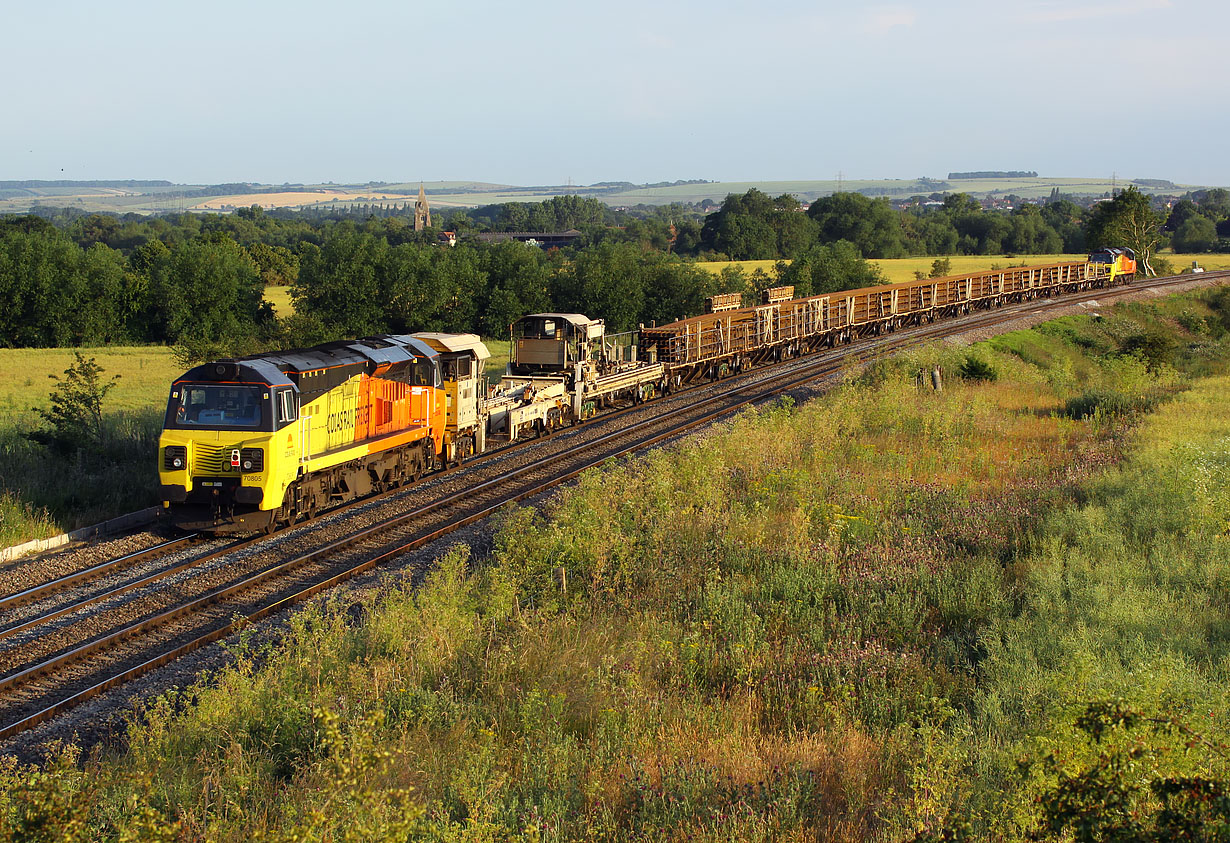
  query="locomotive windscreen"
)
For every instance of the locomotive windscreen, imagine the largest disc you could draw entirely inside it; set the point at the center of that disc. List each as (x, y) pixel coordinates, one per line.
(214, 405)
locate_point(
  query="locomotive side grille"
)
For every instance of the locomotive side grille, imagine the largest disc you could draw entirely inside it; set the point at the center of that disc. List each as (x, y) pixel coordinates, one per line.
(207, 460)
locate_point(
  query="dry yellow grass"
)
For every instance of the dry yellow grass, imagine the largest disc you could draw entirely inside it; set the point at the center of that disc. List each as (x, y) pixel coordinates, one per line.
(748, 266)
(1209, 262)
(279, 297)
(900, 270)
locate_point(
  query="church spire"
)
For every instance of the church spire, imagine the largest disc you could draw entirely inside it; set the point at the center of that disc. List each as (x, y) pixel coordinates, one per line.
(422, 212)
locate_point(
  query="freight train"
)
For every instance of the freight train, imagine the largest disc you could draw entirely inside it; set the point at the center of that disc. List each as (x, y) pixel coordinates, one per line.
(255, 443)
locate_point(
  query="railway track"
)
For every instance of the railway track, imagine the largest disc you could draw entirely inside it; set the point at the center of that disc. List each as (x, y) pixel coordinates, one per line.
(50, 663)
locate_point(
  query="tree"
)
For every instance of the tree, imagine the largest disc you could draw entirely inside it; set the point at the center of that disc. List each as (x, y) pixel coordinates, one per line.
(1196, 234)
(606, 282)
(1031, 234)
(208, 289)
(1068, 220)
(517, 280)
(1182, 211)
(940, 267)
(1139, 785)
(751, 226)
(277, 264)
(870, 224)
(829, 268)
(41, 287)
(340, 283)
(75, 415)
(673, 289)
(1215, 203)
(1127, 220)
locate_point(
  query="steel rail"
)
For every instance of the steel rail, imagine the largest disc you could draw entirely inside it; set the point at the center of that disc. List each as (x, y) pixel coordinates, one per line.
(127, 560)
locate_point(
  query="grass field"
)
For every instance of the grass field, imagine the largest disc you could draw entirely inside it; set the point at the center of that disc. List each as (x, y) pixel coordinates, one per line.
(145, 373)
(749, 267)
(1208, 262)
(900, 270)
(279, 297)
(295, 199)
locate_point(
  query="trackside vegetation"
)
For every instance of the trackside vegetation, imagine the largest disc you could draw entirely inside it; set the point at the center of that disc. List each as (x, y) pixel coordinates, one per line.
(994, 611)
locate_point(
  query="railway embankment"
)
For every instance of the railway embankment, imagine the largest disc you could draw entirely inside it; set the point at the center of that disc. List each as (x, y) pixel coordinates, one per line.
(873, 616)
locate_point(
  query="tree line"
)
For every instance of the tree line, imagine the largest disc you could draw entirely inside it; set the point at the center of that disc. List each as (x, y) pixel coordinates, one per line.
(197, 280)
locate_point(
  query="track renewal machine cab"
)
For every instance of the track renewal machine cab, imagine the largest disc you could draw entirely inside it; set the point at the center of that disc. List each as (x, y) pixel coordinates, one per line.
(553, 343)
(461, 367)
(252, 443)
(562, 367)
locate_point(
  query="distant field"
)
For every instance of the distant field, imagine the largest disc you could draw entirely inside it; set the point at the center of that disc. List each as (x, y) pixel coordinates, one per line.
(469, 193)
(902, 269)
(279, 297)
(145, 373)
(1181, 262)
(749, 267)
(494, 369)
(297, 198)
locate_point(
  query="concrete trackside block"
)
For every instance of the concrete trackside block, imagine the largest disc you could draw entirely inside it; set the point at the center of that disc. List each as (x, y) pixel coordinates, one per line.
(106, 528)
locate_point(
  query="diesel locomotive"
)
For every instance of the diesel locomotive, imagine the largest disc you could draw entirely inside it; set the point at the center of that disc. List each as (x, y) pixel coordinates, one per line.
(250, 444)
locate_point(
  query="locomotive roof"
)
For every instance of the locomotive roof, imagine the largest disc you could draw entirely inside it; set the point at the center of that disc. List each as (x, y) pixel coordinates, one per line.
(455, 343)
(255, 370)
(344, 357)
(578, 319)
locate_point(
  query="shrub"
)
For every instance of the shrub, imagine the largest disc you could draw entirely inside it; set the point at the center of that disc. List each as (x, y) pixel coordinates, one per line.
(76, 414)
(1107, 402)
(975, 368)
(1154, 345)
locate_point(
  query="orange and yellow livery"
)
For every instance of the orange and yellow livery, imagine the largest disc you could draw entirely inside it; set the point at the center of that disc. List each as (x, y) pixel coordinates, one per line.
(249, 443)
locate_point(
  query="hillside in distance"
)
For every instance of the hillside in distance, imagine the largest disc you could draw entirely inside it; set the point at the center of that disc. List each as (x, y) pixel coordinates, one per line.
(160, 197)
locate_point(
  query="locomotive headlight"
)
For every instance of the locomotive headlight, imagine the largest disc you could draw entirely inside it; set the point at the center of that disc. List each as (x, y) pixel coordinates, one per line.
(252, 459)
(174, 457)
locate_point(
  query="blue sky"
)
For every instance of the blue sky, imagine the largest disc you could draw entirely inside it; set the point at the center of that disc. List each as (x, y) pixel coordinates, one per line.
(543, 92)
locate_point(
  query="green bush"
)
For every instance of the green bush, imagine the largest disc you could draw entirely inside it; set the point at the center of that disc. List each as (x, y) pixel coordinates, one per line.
(976, 368)
(1107, 402)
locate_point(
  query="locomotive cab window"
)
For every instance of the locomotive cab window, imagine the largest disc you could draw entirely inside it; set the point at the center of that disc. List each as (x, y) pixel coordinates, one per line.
(424, 374)
(458, 368)
(208, 405)
(537, 329)
(288, 406)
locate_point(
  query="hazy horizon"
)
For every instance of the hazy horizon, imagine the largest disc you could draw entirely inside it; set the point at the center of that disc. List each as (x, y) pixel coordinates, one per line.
(545, 93)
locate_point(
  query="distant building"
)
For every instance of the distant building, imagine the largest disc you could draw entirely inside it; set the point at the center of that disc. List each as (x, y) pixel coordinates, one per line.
(543, 239)
(422, 212)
